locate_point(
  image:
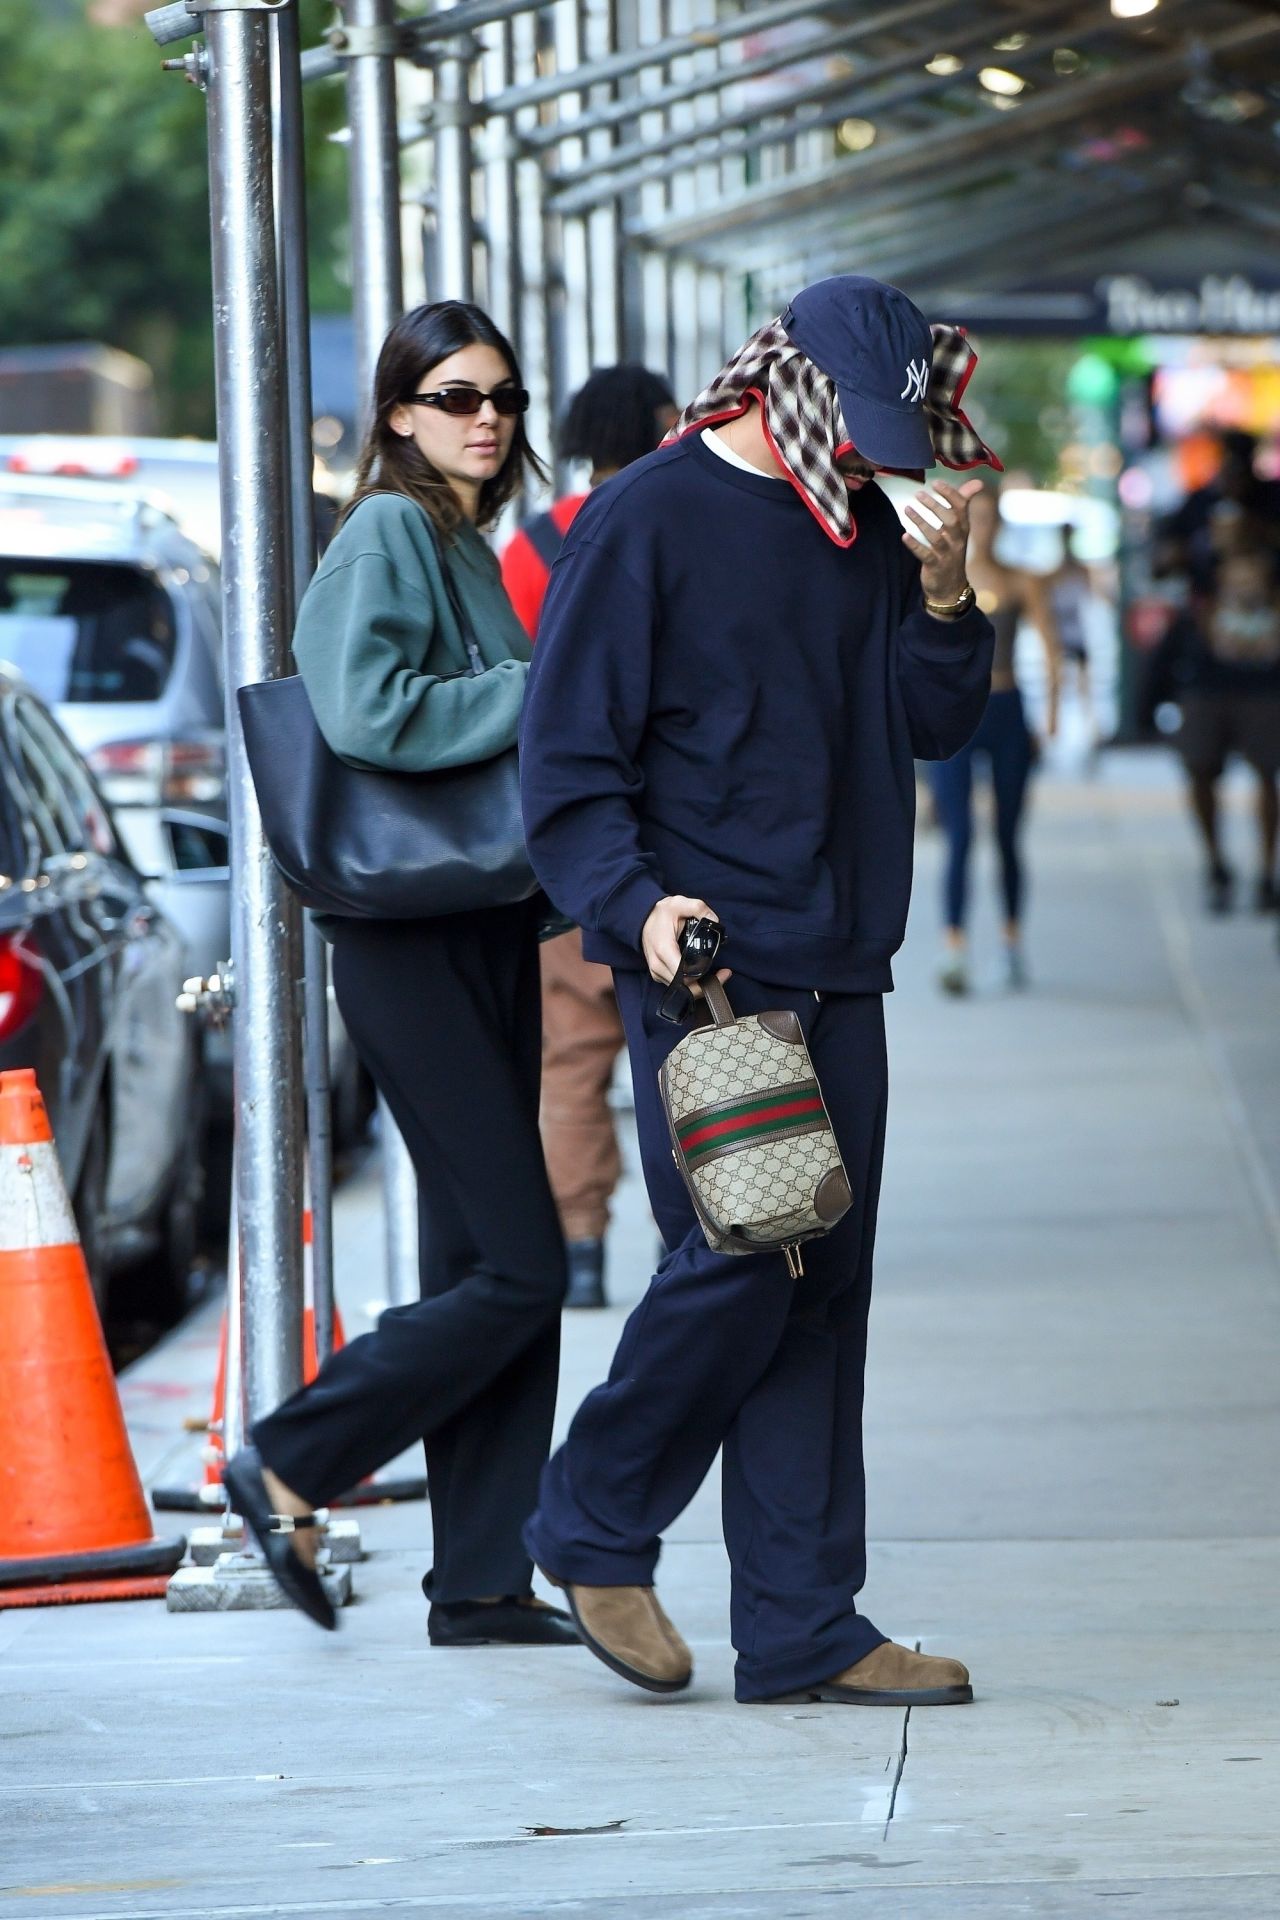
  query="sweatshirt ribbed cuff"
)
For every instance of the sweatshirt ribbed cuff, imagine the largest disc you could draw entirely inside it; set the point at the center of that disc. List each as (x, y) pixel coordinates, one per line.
(625, 910)
(931, 639)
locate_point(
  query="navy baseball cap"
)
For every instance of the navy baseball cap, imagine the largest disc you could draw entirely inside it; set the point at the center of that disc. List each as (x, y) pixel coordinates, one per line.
(877, 347)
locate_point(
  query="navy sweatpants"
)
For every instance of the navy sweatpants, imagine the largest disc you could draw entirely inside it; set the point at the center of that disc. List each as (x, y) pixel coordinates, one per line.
(725, 1350)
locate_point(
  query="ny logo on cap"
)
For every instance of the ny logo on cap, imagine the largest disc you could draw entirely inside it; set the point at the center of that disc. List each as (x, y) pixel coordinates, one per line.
(917, 381)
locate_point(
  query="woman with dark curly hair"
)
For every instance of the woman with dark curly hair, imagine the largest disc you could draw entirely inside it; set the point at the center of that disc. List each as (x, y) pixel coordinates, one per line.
(443, 1012)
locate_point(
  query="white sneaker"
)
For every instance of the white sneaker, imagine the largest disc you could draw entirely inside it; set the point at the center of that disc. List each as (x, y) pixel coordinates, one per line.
(953, 976)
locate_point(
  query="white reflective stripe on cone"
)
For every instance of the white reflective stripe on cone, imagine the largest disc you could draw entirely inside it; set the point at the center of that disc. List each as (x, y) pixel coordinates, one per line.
(34, 1208)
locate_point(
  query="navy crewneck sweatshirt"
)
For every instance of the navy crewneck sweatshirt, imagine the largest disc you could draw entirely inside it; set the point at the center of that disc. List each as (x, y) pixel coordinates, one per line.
(724, 703)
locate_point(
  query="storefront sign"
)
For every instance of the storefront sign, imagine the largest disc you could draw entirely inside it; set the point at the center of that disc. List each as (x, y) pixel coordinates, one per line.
(1231, 304)
(1222, 303)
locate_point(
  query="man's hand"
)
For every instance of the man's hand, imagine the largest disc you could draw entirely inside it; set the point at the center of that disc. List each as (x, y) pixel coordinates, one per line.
(661, 937)
(941, 550)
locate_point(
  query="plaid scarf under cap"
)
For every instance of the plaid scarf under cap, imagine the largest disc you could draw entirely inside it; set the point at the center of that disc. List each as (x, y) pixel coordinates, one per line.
(802, 417)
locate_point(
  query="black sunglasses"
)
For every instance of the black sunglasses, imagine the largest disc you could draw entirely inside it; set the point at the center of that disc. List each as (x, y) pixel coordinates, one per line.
(700, 944)
(463, 400)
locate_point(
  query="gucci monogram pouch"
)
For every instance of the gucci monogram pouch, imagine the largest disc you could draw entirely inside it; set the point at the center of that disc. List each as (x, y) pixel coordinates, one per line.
(750, 1132)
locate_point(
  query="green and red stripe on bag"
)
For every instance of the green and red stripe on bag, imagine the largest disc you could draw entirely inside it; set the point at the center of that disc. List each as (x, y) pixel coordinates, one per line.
(757, 1119)
(750, 1132)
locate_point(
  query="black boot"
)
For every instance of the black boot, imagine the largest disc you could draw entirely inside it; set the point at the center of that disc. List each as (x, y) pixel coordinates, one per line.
(1219, 887)
(586, 1273)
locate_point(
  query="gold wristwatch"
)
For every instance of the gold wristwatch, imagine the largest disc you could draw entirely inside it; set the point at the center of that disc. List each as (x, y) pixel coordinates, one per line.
(951, 609)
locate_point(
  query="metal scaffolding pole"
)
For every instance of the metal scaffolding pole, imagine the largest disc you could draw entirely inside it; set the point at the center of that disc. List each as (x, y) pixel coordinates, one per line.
(533, 265)
(377, 276)
(291, 246)
(264, 915)
(378, 295)
(567, 243)
(452, 117)
(631, 268)
(501, 215)
(601, 27)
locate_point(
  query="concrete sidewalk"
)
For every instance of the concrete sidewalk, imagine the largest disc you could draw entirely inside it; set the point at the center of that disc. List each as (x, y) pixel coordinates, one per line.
(1073, 1428)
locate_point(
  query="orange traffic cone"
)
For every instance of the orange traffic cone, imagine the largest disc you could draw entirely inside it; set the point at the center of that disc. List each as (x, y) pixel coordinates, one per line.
(74, 1523)
(215, 1453)
(310, 1351)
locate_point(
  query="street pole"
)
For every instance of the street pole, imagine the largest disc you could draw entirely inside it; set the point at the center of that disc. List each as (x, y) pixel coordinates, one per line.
(452, 117)
(605, 273)
(378, 299)
(532, 264)
(374, 160)
(264, 915)
(295, 332)
(501, 215)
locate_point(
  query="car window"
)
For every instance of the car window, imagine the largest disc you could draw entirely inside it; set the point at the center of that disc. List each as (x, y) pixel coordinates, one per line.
(70, 814)
(84, 630)
(198, 849)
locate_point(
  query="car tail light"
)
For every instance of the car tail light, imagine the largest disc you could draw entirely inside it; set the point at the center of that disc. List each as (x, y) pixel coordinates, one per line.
(21, 984)
(161, 773)
(195, 772)
(82, 459)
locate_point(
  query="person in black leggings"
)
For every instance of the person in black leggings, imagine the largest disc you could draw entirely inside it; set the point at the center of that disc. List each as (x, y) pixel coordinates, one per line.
(444, 1013)
(1005, 741)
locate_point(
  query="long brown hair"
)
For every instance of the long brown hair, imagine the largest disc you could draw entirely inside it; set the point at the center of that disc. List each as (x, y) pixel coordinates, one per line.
(391, 462)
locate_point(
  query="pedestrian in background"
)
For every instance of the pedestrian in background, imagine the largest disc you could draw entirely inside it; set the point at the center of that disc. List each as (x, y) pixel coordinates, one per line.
(616, 418)
(443, 1012)
(1220, 660)
(1220, 663)
(736, 663)
(1072, 603)
(1004, 741)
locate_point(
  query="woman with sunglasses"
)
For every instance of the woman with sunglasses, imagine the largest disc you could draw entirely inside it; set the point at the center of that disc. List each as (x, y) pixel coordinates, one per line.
(444, 1013)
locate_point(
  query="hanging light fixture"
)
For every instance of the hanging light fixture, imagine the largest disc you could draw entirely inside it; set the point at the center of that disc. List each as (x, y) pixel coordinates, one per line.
(1000, 80)
(1133, 9)
(855, 135)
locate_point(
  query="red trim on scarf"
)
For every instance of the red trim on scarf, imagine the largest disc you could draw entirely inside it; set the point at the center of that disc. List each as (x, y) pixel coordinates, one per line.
(987, 458)
(800, 488)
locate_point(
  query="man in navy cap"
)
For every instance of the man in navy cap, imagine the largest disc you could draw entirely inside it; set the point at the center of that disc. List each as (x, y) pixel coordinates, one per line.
(741, 653)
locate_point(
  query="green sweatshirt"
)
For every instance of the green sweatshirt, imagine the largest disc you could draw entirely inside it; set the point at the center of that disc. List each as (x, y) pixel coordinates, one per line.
(380, 653)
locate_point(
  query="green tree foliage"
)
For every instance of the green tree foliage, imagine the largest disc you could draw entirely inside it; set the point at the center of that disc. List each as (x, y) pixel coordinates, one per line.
(104, 212)
(1018, 399)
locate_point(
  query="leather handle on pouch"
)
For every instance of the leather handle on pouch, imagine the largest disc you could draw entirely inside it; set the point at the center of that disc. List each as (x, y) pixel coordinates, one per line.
(718, 1001)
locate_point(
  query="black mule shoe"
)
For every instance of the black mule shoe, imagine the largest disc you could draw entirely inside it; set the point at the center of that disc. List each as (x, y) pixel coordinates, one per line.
(499, 1623)
(248, 1496)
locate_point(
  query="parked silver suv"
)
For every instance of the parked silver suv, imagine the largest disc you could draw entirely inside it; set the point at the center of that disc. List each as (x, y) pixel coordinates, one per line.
(111, 614)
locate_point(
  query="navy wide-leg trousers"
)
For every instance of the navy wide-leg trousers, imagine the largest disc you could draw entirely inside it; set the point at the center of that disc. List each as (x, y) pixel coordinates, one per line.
(726, 1351)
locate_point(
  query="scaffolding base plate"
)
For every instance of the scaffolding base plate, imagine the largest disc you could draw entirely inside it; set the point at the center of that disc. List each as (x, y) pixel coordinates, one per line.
(240, 1583)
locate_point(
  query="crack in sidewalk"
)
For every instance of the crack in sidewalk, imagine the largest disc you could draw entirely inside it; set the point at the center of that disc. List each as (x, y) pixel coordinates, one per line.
(899, 1770)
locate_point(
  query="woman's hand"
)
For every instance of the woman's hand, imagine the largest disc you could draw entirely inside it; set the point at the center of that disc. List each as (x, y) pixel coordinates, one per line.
(660, 940)
(941, 550)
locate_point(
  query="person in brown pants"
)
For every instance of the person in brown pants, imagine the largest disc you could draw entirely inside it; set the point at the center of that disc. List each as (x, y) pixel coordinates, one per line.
(617, 417)
(581, 1039)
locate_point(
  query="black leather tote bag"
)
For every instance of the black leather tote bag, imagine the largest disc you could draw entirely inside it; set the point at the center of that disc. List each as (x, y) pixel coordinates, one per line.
(365, 844)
